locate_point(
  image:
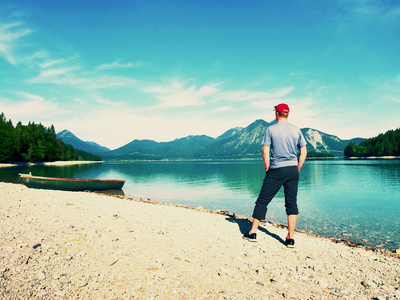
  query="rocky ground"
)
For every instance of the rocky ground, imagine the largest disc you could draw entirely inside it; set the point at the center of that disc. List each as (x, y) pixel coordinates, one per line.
(65, 245)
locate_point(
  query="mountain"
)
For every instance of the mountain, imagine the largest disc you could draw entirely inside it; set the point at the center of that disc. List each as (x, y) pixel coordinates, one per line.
(245, 143)
(229, 133)
(235, 143)
(183, 148)
(69, 138)
(319, 141)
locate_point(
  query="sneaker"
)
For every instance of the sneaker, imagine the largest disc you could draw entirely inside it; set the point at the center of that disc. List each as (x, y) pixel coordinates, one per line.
(250, 237)
(289, 243)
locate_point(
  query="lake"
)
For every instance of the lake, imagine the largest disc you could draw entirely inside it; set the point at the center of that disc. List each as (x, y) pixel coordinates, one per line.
(355, 200)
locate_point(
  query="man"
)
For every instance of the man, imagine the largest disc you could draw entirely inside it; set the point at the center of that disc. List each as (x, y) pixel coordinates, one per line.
(282, 140)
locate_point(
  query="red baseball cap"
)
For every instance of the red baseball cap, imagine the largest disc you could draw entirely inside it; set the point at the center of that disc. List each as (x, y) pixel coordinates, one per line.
(284, 108)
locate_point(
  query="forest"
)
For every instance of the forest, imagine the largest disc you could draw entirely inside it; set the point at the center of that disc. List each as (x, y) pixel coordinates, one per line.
(35, 143)
(323, 154)
(385, 144)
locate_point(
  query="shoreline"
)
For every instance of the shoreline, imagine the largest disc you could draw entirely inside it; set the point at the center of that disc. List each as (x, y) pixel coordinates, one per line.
(371, 157)
(52, 163)
(211, 159)
(395, 253)
(60, 245)
(68, 163)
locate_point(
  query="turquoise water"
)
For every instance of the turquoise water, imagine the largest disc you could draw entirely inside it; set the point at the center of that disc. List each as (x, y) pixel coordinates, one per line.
(355, 200)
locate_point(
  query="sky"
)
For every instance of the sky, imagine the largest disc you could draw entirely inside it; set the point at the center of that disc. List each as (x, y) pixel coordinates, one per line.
(115, 71)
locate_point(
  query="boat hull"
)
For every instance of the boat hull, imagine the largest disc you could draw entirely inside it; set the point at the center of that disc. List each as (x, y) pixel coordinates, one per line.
(70, 184)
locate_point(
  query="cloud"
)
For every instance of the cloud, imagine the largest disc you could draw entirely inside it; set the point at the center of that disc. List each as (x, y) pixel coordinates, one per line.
(30, 107)
(60, 71)
(10, 33)
(38, 55)
(51, 63)
(73, 76)
(244, 95)
(371, 11)
(47, 75)
(266, 105)
(298, 74)
(304, 111)
(394, 13)
(225, 109)
(177, 93)
(117, 65)
(110, 103)
(77, 100)
(388, 91)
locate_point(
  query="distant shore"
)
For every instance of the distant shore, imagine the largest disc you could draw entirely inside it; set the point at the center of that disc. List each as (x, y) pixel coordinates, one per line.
(77, 245)
(68, 163)
(372, 157)
(52, 163)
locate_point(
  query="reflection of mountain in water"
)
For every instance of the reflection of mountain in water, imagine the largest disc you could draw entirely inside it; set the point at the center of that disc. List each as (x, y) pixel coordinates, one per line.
(234, 175)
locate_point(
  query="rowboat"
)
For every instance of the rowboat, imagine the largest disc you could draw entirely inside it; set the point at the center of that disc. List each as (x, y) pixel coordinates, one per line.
(70, 184)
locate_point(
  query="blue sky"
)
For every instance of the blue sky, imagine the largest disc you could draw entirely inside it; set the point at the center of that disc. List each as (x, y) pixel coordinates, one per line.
(114, 71)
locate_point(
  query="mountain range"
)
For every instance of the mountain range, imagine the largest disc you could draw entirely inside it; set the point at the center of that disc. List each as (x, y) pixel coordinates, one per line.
(71, 139)
(235, 143)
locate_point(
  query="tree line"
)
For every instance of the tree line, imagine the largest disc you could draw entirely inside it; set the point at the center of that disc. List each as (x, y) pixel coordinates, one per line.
(385, 144)
(322, 154)
(35, 143)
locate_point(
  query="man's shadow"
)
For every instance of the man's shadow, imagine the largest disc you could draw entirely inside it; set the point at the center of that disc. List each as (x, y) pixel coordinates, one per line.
(245, 225)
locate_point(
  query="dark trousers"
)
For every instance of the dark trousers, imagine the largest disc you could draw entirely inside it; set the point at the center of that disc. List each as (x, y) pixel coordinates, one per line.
(274, 179)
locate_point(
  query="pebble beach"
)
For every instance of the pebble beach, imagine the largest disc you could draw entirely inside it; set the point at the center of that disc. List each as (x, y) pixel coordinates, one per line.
(79, 245)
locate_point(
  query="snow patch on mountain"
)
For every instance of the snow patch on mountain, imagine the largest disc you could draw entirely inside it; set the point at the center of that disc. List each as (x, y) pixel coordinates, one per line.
(314, 138)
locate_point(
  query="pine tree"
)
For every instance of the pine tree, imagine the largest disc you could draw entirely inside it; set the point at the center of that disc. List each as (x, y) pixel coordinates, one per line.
(385, 144)
(7, 147)
(34, 142)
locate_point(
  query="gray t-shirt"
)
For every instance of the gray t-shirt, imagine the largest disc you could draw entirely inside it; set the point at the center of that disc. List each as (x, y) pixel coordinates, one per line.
(283, 139)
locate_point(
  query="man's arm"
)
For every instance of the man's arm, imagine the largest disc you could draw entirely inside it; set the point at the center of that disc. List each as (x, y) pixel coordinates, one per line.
(302, 157)
(265, 155)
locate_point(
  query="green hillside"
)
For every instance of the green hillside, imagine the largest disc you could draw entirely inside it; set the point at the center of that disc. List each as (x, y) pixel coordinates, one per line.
(34, 143)
(385, 144)
(184, 148)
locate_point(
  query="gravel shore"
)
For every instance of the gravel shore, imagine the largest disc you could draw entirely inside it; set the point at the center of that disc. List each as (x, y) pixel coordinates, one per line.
(77, 245)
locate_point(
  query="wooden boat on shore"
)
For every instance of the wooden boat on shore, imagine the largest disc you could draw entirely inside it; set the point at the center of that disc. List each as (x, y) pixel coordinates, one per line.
(70, 184)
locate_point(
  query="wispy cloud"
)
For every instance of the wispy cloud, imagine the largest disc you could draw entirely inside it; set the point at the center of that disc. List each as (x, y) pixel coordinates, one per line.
(303, 111)
(75, 77)
(30, 107)
(118, 65)
(244, 95)
(10, 33)
(51, 63)
(48, 74)
(78, 100)
(388, 91)
(266, 105)
(371, 11)
(36, 56)
(177, 93)
(298, 74)
(120, 106)
(227, 108)
(180, 93)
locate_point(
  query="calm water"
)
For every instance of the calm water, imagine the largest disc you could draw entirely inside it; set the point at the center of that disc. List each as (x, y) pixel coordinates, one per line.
(355, 200)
